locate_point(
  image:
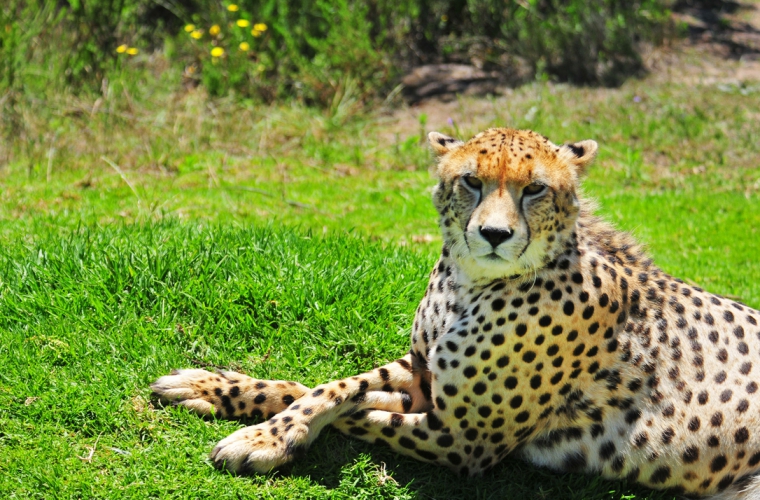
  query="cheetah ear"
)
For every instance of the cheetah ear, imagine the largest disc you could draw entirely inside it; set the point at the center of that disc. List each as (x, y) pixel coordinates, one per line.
(442, 144)
(581, 154)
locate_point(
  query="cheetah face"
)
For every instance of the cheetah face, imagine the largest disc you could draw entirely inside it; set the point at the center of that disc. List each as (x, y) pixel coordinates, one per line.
(507, 199)
(494, 219)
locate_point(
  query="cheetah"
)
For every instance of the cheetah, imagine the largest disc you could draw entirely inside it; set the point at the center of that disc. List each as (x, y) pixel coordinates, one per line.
(543, 332)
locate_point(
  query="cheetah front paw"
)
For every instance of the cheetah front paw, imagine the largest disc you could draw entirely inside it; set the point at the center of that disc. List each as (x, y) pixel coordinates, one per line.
(260, 448)
(228, 394)
(191, 388)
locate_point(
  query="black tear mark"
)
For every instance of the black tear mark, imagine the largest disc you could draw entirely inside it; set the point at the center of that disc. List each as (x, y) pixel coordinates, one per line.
(578, 151)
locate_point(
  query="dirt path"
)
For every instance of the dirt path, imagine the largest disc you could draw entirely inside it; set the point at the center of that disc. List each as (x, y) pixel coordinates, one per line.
(723, 46)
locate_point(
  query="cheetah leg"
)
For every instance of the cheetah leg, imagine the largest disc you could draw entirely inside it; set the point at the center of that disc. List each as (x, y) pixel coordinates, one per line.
(260, 448)
(226, 394)
(418, 435)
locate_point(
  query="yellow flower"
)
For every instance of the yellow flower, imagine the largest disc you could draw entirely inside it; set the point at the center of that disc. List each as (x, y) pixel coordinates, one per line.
(132, 51)
(256, 33)
(121, 49)
(243, 23)
(214, 30)
(232, 7)
(245, 46)
(197, 34)
(260, 27)
(189, 27)
(217, 52)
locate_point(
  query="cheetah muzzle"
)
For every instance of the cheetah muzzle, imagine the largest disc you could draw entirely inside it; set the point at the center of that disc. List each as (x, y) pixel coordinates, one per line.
(543, 332)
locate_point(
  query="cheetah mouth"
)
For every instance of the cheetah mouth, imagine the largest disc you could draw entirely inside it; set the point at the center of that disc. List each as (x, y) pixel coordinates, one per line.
(492, 257)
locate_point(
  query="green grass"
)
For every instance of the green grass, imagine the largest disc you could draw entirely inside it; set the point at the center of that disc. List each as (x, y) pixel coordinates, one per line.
(289, 243)
(91, 318)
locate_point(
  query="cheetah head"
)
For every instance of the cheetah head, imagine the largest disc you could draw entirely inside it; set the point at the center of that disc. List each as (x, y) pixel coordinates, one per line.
(507, 199)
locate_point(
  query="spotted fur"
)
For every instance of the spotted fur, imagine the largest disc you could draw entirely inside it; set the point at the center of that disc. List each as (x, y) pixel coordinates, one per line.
(543, 332)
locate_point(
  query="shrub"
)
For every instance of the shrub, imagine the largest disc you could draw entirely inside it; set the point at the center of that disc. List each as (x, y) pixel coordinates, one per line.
(313, 50)
(330, 52)
(587, 42)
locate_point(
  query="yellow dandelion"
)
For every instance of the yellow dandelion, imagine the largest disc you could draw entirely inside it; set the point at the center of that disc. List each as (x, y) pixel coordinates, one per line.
(217, 52)
(245, 46)
(214, 30)
(232, 7)
(189, 28)
(260, 27)
(121, 49)
(256, 33)
(132, 51)
(243, 23)
(197, 34)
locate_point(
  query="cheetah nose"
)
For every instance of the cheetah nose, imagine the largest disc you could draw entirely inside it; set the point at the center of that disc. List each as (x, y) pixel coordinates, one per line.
(495, 236)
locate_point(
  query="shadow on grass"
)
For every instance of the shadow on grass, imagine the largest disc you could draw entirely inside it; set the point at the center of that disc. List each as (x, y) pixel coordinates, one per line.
(719, 24)
(334, 455)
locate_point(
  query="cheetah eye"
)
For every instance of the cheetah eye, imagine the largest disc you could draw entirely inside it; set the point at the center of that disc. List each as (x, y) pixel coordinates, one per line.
(533, 189)
(472, 182)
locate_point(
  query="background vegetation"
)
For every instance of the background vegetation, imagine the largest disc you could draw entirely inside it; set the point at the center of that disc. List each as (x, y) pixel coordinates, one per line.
(323, 50)
(150, 220)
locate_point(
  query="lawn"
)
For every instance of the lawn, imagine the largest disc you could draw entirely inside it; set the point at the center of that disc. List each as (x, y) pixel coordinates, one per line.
(292, 243)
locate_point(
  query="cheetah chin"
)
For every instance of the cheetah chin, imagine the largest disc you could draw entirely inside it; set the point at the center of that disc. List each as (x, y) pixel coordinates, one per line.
(543, 332)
